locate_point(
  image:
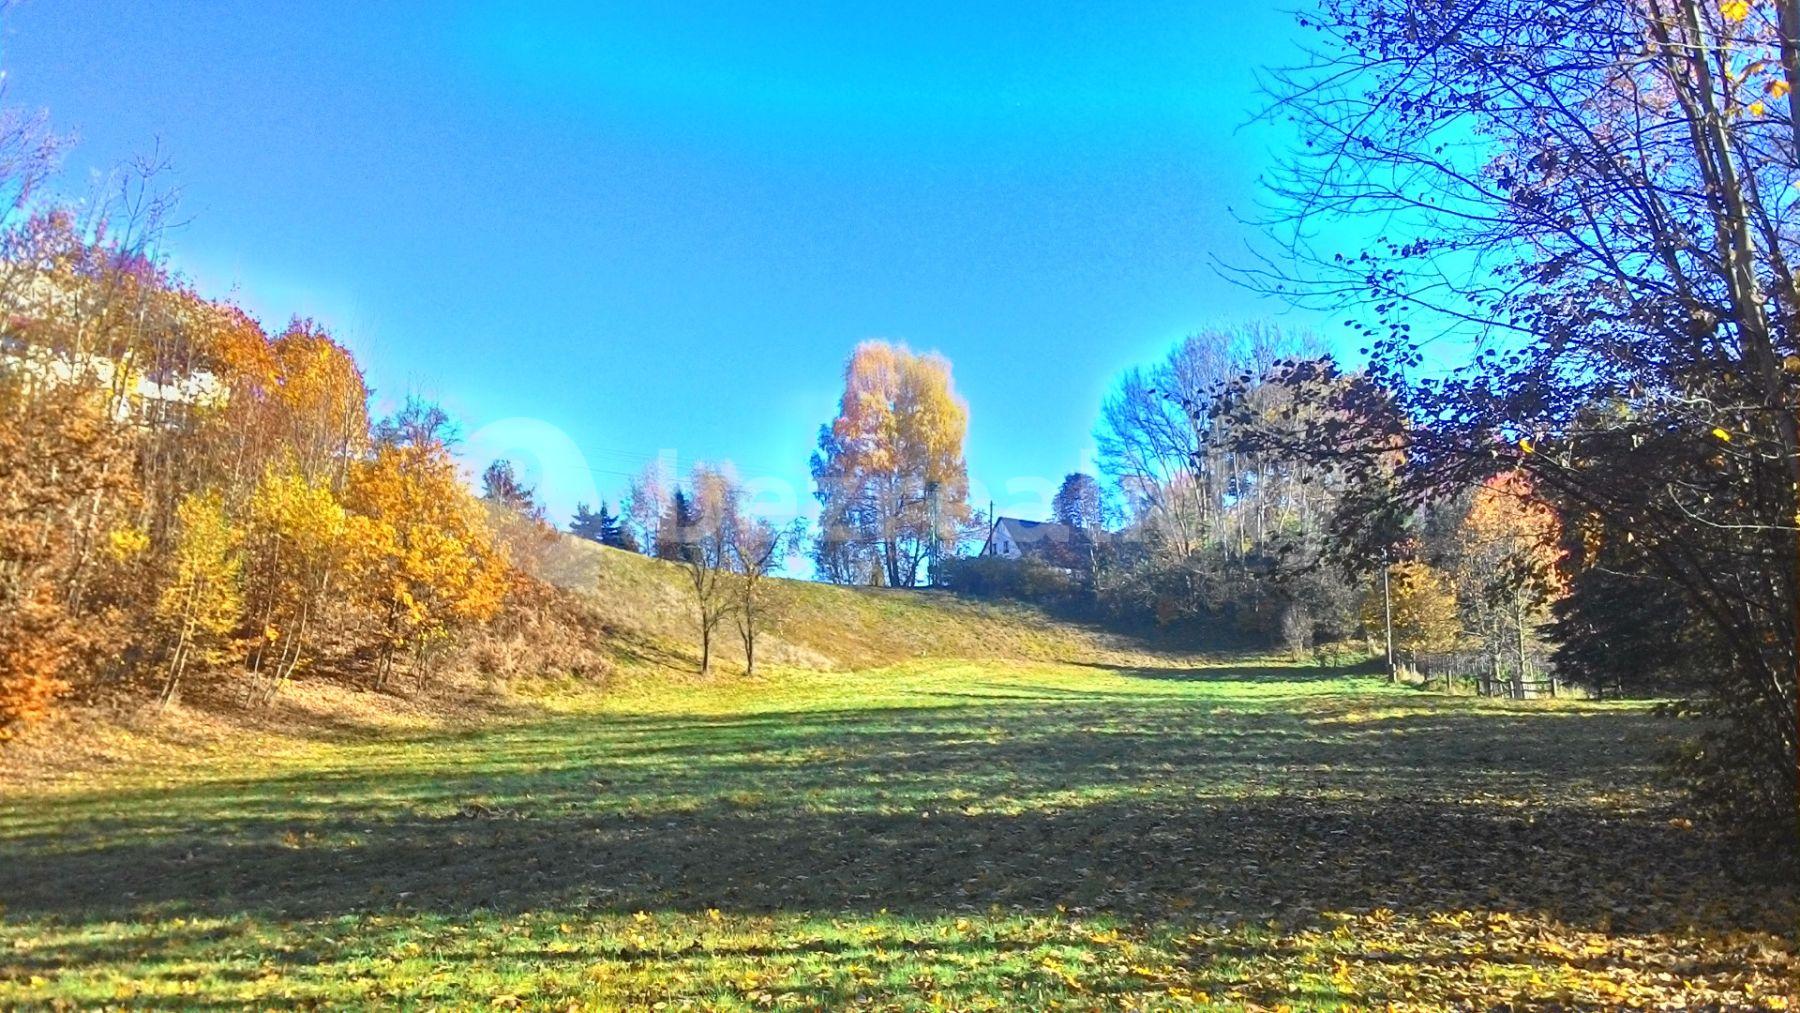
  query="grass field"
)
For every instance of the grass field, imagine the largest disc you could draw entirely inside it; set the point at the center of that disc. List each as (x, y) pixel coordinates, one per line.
(928, 835)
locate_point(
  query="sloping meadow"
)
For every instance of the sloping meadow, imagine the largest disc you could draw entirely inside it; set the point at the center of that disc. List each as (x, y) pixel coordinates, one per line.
(924, 835)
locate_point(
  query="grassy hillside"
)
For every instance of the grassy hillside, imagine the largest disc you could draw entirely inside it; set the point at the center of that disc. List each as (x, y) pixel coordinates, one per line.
(931, 835)
(648, 632)
(649, 607)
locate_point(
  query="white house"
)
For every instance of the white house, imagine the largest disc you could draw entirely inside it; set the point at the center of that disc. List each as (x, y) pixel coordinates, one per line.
(131, 392)
(1012, 538)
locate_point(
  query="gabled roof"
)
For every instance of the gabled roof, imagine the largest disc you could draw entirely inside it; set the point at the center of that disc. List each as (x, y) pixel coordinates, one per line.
(1024, 532)
(1029, 537)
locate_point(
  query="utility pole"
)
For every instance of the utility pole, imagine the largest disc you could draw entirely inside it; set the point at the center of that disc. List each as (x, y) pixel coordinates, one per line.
(1387, 613)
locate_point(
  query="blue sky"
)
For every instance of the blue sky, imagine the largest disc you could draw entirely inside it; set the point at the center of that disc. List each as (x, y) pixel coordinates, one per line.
(601, 233)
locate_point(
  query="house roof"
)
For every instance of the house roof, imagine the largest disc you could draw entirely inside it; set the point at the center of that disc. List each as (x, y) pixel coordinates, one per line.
(1024, 532)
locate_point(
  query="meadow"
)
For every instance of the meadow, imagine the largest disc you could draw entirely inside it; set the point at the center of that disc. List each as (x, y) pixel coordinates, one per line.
(1240, 833)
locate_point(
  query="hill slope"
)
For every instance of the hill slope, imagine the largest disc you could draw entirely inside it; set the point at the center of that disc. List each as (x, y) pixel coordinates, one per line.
(648, 606)
(646, 629)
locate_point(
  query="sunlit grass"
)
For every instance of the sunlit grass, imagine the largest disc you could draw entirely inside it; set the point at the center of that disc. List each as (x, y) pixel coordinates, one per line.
(958, 835)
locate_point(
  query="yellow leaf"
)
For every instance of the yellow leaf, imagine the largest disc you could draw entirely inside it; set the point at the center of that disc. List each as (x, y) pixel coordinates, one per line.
(1735, 10)
(1721, 434)
(1757, 108)
(1526, 445)
(127, 542)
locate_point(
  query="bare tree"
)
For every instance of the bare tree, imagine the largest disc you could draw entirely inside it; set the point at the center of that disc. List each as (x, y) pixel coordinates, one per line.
(1169, 452)
(757, 548)
(705, 551)
(647, 505)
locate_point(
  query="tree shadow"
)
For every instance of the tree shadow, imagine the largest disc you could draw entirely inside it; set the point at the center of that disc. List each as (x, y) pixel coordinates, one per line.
(1241, 858)
(1138, 809)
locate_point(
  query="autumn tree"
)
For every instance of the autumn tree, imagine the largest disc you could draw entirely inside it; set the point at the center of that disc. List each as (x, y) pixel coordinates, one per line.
(41, 636)
(646, 506)
(182, 492)
(889, 472)
(422, 548)
(1223, 525)
(202, 603)
(296, 548)
(757, 547)
(1423, 608)
(1154, 440)
(1505, 566)
(1169, 446)
(318, 408)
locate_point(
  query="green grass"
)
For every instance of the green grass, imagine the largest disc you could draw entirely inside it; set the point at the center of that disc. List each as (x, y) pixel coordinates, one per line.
(648, 605)
(927, 835)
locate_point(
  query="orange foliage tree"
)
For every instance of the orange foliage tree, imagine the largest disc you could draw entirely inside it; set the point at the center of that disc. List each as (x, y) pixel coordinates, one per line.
(181, 492)
(1506, 567)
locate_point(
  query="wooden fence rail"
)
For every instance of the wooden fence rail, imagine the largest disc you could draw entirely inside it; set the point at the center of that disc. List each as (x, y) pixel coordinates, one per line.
(1484, 675)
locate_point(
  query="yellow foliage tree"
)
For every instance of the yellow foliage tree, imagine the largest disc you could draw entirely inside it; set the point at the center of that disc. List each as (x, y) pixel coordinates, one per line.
(174, 485)
(423, 551)
(890, 467)
(203, 601)
(1424, 609)
(297, 542)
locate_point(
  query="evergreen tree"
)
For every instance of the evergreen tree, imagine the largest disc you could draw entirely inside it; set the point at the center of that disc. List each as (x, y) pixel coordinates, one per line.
(613, 531)
(1078, 503)
(588, 524)
(677, 520)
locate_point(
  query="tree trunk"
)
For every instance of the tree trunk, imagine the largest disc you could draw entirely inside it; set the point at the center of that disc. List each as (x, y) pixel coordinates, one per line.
(891, 548)
(1387, 611)
(1519, 608)
(177, 664)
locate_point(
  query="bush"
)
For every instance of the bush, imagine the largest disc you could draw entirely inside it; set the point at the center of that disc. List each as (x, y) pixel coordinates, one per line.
(1025, 579)
(542, 630)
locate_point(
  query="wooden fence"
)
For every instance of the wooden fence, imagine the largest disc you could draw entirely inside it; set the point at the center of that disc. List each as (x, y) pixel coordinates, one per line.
(1485, 675)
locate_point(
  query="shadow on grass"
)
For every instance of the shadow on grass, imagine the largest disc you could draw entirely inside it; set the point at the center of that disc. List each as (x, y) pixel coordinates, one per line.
(1247, 859)
(1140, 809)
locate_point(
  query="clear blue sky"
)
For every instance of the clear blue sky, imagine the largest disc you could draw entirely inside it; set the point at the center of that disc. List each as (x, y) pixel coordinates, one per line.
(596, 236)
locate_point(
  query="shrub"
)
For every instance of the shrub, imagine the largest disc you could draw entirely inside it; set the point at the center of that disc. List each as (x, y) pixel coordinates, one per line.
(1025, 579)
